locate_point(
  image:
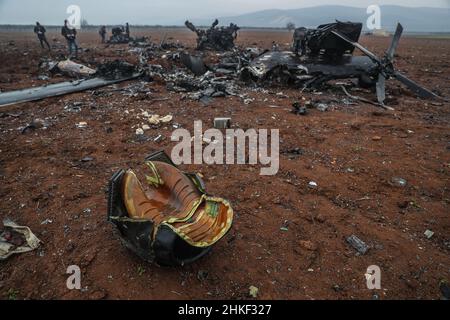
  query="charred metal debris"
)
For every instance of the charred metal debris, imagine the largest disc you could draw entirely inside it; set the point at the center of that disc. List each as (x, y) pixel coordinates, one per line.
(116, 69)
(120, 34)
(165, 229)
(215, 38)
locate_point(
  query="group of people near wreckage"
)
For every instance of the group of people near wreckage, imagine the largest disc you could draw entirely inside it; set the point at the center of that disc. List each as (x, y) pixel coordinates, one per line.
(70, 34)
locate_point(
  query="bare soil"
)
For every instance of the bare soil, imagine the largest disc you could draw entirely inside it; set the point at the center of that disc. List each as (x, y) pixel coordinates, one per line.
(351, 151)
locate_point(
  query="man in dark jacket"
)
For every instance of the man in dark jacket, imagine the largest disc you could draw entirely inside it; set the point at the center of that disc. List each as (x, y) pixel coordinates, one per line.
(102, 33)
(70, 34)
(40, 31)
(127, 30)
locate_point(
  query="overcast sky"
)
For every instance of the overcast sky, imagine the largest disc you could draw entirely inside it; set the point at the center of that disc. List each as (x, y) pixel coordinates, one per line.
(165, 11)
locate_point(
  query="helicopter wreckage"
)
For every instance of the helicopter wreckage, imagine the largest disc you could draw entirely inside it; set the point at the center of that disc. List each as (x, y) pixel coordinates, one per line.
(326, 53)
(318, 55)
(215, 38)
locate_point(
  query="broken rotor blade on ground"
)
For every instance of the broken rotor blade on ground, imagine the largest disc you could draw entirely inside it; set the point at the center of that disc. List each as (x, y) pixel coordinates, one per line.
(381, 88)
(57, 89)
(414, 87)
(357, 45)
(394, 44)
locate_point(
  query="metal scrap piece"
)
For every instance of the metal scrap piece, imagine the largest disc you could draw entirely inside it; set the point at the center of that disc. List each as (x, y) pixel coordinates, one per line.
(193, 63)
(16, 239)
(358, 244)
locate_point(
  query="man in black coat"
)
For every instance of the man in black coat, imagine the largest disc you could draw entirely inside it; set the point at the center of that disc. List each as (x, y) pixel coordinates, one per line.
(127, 30)
(102, 33)
(40, 31)
(70, 34)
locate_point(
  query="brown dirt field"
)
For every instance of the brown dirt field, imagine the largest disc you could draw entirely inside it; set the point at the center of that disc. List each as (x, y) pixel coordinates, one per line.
(42, 178)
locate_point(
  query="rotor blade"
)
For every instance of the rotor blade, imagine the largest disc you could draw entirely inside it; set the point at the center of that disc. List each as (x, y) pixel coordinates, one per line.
(416, 88)
(357, 45)
(395, 40)
(381, 89)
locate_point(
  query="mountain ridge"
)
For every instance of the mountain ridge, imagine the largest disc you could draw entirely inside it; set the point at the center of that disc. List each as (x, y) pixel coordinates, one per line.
(413, 19)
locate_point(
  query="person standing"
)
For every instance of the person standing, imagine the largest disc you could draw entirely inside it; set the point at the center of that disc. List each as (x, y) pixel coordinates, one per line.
(40, 31)
(70, 34)
(102, 33)
(127, 30)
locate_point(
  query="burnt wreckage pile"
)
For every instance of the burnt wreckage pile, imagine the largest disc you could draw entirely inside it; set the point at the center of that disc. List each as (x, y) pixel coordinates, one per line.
(325, 54)
(196, 80)
(215, 38)
(115, 70)
(202, 81)
(319, 55)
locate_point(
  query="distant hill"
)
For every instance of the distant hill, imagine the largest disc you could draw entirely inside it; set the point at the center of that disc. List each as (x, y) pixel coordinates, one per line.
(413, 19)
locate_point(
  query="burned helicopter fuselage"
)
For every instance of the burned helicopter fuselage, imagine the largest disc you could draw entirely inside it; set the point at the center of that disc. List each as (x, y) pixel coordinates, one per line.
(285, 67)
(318, 56)
(327, 54)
